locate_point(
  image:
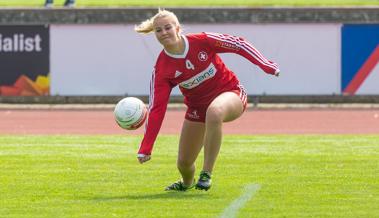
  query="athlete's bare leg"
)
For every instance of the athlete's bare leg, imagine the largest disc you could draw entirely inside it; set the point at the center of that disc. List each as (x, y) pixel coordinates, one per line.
(190, 144)
(226, 107)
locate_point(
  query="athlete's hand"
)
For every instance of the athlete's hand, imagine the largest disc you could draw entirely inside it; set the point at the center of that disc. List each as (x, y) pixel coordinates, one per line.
(142, 158)
(277, 74)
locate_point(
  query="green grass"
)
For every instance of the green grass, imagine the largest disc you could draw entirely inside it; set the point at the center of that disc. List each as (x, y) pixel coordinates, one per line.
(126, 3)
(98, 176)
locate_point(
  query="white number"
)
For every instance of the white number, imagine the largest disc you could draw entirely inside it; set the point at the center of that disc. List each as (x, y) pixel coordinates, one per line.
(189, 65)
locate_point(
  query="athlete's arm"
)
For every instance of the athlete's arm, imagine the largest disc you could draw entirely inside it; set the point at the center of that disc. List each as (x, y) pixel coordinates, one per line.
(160, 90)
(223, 43)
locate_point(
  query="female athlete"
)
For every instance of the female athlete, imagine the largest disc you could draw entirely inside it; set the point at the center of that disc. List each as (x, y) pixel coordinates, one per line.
(211, 91)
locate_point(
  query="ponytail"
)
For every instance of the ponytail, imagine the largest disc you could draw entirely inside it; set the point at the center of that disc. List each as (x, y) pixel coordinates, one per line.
(147, 26)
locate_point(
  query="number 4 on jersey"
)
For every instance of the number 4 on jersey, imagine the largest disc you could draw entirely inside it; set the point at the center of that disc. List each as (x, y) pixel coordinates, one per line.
(189, 65)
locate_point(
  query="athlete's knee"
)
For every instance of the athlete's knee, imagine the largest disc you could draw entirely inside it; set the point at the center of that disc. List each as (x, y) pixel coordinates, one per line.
(215, 114)
(183, 163)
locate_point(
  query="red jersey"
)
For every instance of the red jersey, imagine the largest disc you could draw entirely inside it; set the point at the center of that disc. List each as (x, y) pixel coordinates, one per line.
(200, 74)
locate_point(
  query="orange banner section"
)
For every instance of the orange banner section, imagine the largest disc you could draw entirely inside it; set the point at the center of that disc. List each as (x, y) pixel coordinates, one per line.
(24, 86)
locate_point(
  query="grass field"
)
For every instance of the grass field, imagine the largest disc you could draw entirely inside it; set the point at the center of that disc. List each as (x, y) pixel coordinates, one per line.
(123, 3)
(98, 176)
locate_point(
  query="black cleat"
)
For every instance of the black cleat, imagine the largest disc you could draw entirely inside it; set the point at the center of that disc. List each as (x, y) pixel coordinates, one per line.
(179, 186)
(204, 182)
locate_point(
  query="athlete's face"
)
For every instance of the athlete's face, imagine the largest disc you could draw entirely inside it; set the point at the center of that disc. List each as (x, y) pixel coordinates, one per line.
(166, 31)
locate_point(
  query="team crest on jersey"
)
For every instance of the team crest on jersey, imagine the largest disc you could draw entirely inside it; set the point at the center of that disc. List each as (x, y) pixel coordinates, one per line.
(202, 56)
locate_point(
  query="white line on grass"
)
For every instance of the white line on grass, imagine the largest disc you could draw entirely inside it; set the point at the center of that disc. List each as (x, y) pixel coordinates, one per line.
(248, 193)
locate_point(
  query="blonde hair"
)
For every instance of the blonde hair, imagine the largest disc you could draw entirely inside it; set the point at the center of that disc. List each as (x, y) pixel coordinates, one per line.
(147, 26)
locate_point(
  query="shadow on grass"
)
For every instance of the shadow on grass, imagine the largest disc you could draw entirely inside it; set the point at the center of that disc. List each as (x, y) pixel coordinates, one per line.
(166, 195)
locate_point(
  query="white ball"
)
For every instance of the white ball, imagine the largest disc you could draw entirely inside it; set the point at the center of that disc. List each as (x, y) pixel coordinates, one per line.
(130, 113)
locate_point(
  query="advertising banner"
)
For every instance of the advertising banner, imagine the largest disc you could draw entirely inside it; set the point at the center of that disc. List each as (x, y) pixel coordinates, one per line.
(360, 58)
(24, 58)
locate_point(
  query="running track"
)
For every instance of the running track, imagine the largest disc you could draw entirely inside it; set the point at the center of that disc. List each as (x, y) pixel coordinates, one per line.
(262, 121)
